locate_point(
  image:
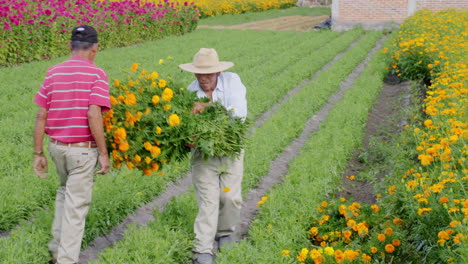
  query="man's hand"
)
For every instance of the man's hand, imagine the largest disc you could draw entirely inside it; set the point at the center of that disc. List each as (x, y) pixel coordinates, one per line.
(40, 166)
(104, 163)
(199, 107)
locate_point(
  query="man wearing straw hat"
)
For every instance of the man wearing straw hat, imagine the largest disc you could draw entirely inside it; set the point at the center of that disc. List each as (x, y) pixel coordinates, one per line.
(217, 181)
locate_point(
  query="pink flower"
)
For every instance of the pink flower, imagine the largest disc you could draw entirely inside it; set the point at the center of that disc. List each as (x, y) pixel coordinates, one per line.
(6, 26)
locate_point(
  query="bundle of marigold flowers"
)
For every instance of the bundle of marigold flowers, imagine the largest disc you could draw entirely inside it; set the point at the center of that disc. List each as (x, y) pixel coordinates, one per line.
(151, 124)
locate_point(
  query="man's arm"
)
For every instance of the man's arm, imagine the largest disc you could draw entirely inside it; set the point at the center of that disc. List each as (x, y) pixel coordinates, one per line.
(97, 131)
(40, 160)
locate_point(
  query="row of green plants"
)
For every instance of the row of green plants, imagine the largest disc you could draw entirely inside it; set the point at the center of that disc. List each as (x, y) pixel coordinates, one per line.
(36, 30)
(313, 175)
(108, 209)
(269, 140)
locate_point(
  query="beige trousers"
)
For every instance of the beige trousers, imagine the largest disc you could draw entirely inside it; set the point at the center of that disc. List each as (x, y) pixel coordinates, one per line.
(217, 183)
(75, 168)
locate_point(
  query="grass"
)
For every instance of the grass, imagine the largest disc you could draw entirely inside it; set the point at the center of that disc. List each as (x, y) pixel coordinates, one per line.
(229, 20)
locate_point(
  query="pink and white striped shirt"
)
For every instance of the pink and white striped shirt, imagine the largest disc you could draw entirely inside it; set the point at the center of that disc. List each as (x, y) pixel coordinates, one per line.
(67, 91)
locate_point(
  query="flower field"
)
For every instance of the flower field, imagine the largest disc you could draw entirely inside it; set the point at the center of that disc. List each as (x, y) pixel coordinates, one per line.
(219, 7)
(421, 212)
(35, 30)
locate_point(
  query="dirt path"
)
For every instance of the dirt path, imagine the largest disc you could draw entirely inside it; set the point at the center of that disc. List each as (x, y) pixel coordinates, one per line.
(278, 168)
(296, 23)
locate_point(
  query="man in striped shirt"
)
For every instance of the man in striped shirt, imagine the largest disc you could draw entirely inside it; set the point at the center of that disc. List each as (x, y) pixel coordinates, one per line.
(71, 101)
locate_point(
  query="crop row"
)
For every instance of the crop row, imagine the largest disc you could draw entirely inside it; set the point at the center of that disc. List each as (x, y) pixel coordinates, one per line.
(108, 208)
(176, 221)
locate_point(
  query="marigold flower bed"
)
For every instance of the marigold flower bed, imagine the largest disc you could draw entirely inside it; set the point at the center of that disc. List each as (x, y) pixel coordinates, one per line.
(34, 30)
(424, 212)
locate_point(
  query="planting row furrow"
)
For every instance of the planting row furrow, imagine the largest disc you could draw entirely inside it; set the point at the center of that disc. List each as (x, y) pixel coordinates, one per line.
(177, 219)
(285, 215)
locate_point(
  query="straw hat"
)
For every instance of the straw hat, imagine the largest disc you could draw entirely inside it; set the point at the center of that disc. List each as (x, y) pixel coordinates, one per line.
(206, 61)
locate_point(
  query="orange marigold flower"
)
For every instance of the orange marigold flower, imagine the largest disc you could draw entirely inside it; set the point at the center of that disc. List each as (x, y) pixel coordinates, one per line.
(116, 83)
(123, 146)
(134, 67)
(389, 231)
(155, 151)
(375, 208)
(455, 223)
(396, 242)
(339, 256)
(374, 250)
(381, 237)
(147, 172)
(423, 210)
(443, 199)
(154, 166)
(389, 248)
(130, 99)
(443, 235)
(113, 100)
(391, 189)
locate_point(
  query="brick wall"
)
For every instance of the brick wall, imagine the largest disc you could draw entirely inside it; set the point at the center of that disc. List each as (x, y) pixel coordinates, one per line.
(378, 14)
(438, 5)
(372, 10)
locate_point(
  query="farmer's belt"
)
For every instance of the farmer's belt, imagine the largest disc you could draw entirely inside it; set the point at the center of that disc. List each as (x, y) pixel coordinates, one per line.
(85, 144)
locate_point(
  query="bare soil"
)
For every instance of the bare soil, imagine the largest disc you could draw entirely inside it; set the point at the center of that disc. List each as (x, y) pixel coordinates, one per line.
(296, 23)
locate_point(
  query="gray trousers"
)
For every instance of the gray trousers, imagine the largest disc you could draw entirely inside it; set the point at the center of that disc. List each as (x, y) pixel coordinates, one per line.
(217, 183)
(75, 168)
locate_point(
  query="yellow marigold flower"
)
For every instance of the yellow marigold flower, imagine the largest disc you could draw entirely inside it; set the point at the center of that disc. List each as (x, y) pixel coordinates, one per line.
(226, 189)
(303, 254)
(134, 67)
(148, 160)
(374, 250)
(381, 237)
(167, 107)
(324, 204)
(158, 130)
(147, 145)
(362, 228)
(423, 200)
(366, 258)
(342, 199)
(428, 123)
(131, 83)
(423, 210)
(161, 61)
(147, 111)
(155, 99)
(153, 84)
(116, 83)
(167, 94)
(155, 151)
(329, 251)
(315, 254)
(455, 223)
(154, 75)
(375, 208)
(136, 159)
(162, 83)
(389, 248)
(285, 253)
(391, 189)
(458, 239)
(313, 231)
(174, 120)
